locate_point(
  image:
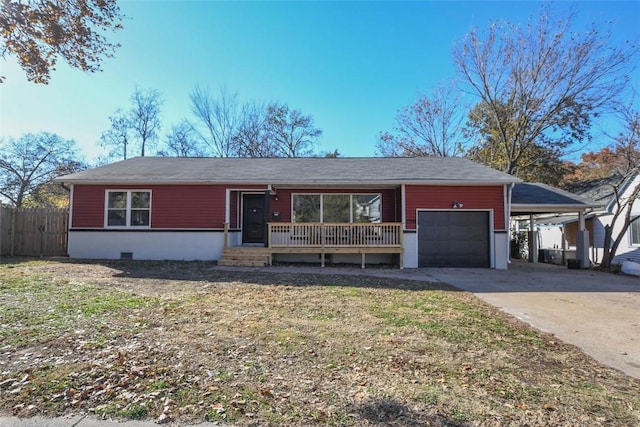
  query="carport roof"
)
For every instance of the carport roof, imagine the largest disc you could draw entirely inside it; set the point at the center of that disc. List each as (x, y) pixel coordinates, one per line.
(534, 198)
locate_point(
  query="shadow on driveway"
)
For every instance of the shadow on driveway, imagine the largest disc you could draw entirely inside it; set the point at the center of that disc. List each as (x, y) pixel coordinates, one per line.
(527, 277)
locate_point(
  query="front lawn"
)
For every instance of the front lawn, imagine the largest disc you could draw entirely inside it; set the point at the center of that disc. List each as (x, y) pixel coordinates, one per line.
(189, 342)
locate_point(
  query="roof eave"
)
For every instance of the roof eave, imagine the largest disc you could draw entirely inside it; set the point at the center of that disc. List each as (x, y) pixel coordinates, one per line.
(280, 183)
(546, 208)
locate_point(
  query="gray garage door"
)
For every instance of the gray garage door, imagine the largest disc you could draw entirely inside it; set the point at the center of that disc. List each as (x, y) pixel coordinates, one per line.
(453, 239)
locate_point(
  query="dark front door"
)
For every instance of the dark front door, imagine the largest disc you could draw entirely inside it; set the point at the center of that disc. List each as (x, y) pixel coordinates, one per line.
(253, 218)
(453, 239)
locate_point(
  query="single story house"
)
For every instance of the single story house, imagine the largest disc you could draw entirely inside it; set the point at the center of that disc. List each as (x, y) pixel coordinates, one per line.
(414, 212)
(560, 230)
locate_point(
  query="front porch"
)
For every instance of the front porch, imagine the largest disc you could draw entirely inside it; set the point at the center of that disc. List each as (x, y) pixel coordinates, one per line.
(321, 239)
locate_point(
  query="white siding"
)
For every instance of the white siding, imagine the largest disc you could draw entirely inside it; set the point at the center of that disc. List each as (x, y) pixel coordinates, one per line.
(184, 246)
(410, 256)
(626, 251)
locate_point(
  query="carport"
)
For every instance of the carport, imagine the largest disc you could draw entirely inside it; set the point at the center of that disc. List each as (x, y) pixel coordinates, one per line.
(532, 199)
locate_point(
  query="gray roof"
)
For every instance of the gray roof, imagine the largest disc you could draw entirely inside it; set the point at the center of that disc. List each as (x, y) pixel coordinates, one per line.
(292, 171)
(600, 189)
(528, 197)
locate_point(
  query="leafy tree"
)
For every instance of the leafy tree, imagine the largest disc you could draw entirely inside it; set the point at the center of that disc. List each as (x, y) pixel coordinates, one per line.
(218, 120)
(140, 124)
(181, 141)
(292, 133)
(432, 126)
(534, 161)
(31, 162)
(39, 32)
(595, 165)
(51, 194)
(541, 85)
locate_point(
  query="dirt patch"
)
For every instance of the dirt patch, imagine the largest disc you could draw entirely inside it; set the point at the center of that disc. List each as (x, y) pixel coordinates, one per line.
(189, 342)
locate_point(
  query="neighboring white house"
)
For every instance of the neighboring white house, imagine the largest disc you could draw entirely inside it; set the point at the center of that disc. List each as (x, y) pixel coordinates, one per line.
(559, 231)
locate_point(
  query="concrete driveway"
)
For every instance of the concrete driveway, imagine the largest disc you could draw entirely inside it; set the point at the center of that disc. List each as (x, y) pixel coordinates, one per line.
(598, 312)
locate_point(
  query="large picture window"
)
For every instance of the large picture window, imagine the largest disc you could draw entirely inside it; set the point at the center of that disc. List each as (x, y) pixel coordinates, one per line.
(128, 208)
(337, 208)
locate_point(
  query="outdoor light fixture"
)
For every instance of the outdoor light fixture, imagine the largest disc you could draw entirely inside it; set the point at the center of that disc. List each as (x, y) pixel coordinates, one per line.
(457, 205)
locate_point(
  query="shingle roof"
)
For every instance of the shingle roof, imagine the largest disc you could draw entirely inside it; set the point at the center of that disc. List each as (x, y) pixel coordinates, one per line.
(600, 189)
(537, 197)
(300, 171)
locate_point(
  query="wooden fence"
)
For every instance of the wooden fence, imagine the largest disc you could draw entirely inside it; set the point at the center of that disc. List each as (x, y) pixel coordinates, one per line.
(33, 231)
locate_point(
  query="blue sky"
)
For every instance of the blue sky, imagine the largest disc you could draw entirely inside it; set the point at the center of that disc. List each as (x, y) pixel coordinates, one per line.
(351, 65)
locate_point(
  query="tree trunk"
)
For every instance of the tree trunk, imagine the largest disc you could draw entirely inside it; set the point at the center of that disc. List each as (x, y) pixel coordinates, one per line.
(605, 265)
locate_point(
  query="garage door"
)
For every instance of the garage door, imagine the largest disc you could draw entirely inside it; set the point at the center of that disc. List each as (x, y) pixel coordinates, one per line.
(453, 239)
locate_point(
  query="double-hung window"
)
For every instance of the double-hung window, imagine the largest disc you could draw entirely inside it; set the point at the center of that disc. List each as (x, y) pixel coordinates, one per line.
(128, 208)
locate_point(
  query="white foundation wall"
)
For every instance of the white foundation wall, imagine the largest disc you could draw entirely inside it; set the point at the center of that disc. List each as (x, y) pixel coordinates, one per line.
(501, 245)
(410, 256)
(145, 245)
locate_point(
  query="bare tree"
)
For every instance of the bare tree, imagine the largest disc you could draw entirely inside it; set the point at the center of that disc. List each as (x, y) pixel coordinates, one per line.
(40, 32)
(140, 124)
(217, 120)
(542, 84)
(431, 126)
(181, 141)
(144, 117)
(118, 137)
(251, 138)
(292, 133)
(628, 147)
(31, 161)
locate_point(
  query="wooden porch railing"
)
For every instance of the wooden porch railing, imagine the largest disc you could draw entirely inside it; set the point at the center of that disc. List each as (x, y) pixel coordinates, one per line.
(336, 235)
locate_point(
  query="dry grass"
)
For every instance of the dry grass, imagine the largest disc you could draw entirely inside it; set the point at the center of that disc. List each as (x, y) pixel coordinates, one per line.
(188, 342)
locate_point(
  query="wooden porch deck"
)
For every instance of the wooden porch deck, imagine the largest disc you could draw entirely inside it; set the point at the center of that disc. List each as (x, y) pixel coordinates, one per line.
(322, 239)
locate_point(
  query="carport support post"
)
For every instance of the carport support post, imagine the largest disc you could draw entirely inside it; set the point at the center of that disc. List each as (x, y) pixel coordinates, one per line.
(533, 240)
(582, 242)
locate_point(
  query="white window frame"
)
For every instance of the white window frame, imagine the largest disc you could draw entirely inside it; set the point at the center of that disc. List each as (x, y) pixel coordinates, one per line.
(127, 208)
(633, 244)
(336, 194)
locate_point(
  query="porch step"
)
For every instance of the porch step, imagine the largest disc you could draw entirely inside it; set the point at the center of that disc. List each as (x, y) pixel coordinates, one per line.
(244, 256)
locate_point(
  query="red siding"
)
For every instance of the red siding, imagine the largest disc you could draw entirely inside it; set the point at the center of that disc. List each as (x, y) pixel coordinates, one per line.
(172, 206)
(283, 204)
(202, 206)
(88, 206)
(188, 206)
(442, 197)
